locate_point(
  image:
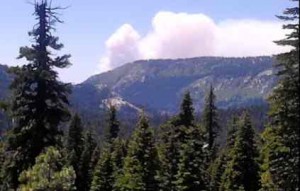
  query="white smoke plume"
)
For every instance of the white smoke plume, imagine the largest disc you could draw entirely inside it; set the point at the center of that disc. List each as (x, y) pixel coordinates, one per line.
(183, 35)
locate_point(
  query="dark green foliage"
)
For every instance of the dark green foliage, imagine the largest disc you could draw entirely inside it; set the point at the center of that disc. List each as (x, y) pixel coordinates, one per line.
(75, 146)
(119, 152)
(280, 151)
(168, 157)
(272, 145)
(5, 121)
(113, 125)
(110, 162)
(39, 99)
(183, 159)
(192, 175)
(186, 115)
(95, 156)
(173, 135)
(103, 176)
(210, 121)
(217, 169)
(75, 137)
(219, 165)
(231, 133)
(242, 170)
(86, 164)
(109, 166)
(140, 165)
(49, 173)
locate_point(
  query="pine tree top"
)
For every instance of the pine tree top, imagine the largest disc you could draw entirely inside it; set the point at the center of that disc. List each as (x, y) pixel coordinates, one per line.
(186, 115)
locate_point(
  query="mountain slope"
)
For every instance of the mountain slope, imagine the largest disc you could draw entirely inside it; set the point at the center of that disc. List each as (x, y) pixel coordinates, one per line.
(159, 84)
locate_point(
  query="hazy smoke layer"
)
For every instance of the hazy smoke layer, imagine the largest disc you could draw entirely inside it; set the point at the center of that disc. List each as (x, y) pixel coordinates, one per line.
(182, 35)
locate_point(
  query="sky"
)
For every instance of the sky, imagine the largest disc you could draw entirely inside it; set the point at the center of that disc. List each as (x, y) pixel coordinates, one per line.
(102, 35)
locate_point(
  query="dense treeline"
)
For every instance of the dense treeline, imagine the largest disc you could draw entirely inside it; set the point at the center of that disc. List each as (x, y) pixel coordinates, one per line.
(183, 154)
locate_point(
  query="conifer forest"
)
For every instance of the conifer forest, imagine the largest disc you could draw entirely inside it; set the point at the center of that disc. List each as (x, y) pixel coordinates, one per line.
(49, 145)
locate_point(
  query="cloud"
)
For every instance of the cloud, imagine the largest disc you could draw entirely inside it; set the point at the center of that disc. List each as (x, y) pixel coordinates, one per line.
(238, 38)
(183, 35)
(121, 47)
(178, 36)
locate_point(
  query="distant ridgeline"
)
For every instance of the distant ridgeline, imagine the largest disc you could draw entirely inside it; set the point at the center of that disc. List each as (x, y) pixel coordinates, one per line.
(157, 86)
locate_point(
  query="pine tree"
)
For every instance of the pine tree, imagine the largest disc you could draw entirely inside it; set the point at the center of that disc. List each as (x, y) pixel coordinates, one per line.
(103, 175)
(113, 125)
(242, 170)
(49, 173)
(40, 100)
(271, 145)
(231, 133)
(281, 139)
(109, 166)
(181, 154)
(140, 164)
(74, 146)
(75, 136)
(168, 153)
(173, 135)
(192, 174)
(210, 121)
(186, 115)
(86, 164)
(111, 159)
(119, 152)
(95, 156)
(218, 167)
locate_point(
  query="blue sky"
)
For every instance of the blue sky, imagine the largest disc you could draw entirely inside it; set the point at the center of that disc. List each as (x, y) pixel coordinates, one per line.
(90, 23)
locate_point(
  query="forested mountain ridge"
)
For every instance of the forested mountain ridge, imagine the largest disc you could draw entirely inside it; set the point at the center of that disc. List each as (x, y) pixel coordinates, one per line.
(159, 84)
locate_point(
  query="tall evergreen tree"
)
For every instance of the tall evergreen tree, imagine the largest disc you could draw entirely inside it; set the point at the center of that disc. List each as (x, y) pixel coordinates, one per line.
(117, 156)
(109, 166)
(110, 161)
(95, 157)
(210, 121)
(281, 139)
(140, 164)
(181, 154)
(186, 115)
(75, 136)
(40, 100)
(86, 165)
(103, 176)
(75, 146)
(231, 132)
(192, 174)
(113, 125)
(173, 135)
(168, 153)
(218, 167)
(242, 171)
